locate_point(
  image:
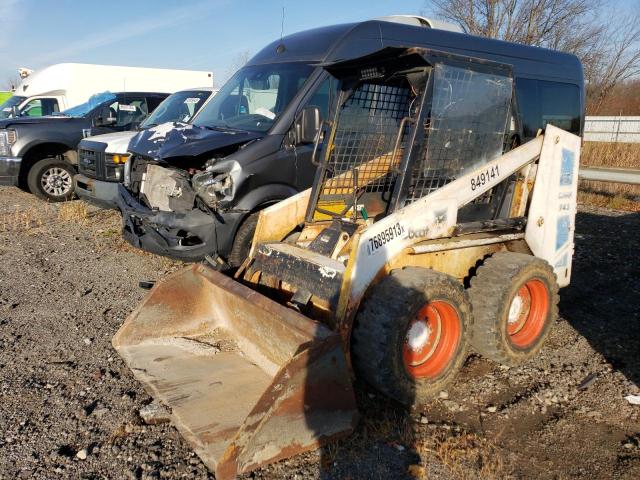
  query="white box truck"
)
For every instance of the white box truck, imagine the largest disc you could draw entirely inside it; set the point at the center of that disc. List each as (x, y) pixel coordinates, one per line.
(64, 85)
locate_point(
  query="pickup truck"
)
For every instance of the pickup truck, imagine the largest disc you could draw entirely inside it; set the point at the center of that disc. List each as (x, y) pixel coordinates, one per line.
(40, 153)
(101, 158)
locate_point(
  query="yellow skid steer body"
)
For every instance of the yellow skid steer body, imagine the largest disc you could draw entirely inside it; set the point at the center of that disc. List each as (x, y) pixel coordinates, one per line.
(249, 380)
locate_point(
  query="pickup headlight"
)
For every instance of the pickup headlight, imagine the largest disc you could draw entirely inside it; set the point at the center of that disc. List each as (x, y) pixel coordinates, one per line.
(114, 166)
(117, 159)
(213, 187)
(7, 138)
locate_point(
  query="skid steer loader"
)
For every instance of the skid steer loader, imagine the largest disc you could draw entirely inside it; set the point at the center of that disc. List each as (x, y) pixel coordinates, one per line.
(418, 237)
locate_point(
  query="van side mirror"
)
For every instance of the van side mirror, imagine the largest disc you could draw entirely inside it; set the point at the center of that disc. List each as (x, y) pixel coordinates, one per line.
(104, 118)
(308, 124)
(15, 111)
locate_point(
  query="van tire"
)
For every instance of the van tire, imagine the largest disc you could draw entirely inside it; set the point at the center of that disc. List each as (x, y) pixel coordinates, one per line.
(504, 331)
(51, 175)
(242, 241)
(381, 335)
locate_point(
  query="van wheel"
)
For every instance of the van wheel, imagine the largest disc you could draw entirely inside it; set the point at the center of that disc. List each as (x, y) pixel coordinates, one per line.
(515, 303)
(51, 179)
(410, 337)
(242, 240)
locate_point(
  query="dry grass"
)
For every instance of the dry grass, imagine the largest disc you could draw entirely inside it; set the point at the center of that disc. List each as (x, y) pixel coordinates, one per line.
(20, 220)
(30, 220)
(606, 154)
(73, 212)
(612, 195)
(609, 200)
(464, 455)
(446, 452)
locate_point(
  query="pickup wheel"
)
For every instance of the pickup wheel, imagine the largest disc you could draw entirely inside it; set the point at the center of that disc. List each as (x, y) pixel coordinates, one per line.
(242, 240)
(51, 179)
(515, 303)
(410, 336)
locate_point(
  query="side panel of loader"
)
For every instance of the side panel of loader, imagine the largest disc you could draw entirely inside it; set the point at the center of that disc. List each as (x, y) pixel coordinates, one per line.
(554, 202)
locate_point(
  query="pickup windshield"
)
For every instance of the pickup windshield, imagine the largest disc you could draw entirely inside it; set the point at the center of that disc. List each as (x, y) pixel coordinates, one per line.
(7, 106)
(93, 102)
(179, 107)
(254, 97)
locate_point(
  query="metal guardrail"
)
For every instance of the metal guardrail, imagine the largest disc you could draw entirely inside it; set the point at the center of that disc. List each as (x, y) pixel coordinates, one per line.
(613, 175)
(612, 129)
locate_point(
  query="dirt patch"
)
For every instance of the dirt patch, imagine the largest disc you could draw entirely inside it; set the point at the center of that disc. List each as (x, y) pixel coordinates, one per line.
(67, 281)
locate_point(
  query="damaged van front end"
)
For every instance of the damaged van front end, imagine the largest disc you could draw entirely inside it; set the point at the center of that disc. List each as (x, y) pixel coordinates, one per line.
(194, 191)
(175, 203)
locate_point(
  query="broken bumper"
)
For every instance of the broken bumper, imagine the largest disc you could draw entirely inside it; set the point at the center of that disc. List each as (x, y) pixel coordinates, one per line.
(9, 170)
(186, 236)
(101, 193)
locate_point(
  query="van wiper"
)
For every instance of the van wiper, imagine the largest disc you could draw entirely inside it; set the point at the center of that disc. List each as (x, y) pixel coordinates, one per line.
(218, 128)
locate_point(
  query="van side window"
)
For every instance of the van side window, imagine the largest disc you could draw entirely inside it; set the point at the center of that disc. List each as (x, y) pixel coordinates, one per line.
(560, 103)
(323, 96)
(541, 102)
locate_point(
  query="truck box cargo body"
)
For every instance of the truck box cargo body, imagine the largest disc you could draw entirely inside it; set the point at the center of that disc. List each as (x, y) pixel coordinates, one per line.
(101, 158)
(64, 85)
(236, 158)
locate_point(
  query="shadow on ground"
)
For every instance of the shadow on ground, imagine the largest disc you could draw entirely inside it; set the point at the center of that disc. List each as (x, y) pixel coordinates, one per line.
(603, 301)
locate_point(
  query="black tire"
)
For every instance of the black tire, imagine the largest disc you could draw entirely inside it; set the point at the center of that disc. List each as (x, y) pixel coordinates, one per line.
(242, 240)
(381, 333)
(493, 291)
(51, 175)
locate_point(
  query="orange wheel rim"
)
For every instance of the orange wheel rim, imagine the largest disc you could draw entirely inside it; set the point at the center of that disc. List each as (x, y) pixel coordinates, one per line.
(431, 340)
(527, 314)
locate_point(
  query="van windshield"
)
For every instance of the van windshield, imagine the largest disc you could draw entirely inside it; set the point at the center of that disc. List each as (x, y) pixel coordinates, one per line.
(84, 108)
(7, 106)
(179, 107)
(254, 97)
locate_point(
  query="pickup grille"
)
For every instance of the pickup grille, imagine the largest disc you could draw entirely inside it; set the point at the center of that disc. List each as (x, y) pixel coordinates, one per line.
(91, 163)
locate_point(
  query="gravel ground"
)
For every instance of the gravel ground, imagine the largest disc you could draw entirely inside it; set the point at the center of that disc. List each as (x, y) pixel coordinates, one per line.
(69, 407)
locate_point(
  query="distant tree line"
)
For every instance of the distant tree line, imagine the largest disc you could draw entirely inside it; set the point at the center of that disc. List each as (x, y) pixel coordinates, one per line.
(605, 37)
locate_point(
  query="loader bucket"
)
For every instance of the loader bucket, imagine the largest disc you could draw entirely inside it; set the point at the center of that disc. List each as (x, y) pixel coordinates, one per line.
(248, 381)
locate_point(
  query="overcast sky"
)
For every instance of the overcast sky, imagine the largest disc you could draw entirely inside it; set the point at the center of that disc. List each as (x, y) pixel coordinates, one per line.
(192, 34)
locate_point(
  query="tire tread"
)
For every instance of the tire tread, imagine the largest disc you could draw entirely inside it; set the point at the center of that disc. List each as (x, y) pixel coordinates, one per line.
(489, 292)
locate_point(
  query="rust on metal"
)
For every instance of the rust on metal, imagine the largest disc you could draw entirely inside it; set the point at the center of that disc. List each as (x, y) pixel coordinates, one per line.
(248, 380)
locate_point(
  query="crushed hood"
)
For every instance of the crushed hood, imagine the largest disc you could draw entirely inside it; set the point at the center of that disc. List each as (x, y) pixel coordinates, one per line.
(175, 139)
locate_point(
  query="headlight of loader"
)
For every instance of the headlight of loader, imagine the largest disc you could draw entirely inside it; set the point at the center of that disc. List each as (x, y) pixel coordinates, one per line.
(7, 138)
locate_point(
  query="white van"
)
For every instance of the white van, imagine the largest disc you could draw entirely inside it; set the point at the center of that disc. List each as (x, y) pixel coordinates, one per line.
(64, 85)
